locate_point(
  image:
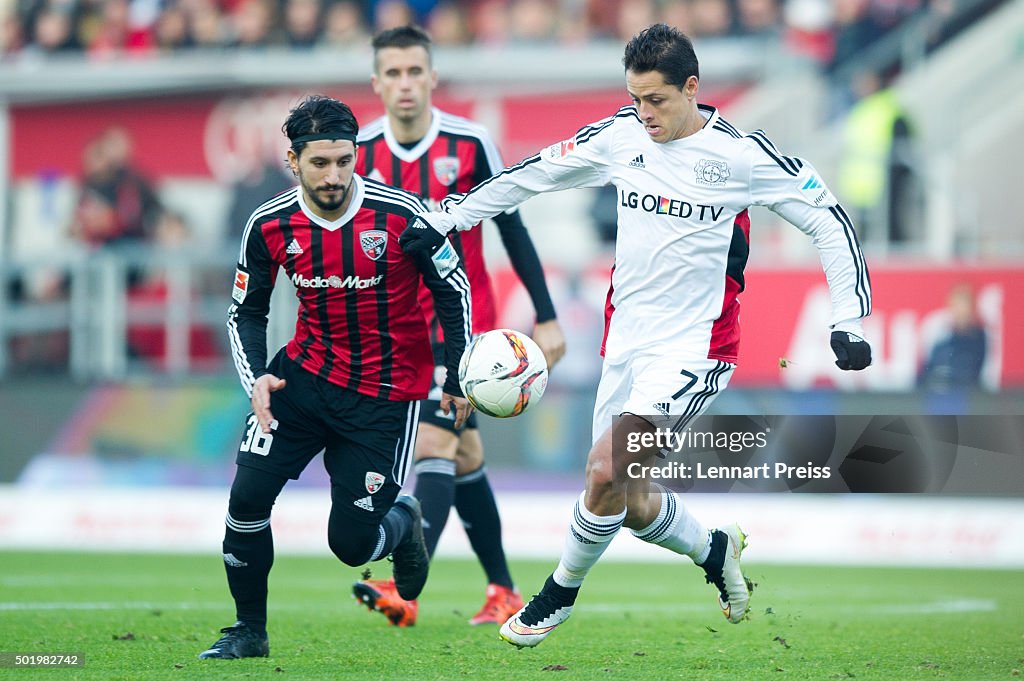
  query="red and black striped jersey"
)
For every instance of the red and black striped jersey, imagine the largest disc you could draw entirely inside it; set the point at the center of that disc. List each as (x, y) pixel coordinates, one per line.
(455, 155)
(359, 323)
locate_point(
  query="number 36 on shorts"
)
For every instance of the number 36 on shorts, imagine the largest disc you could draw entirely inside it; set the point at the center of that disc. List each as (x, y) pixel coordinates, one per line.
(255, 440)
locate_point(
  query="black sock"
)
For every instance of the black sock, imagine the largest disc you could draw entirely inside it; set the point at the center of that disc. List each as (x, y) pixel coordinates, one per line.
(248, 557)
(396, 524)
(716, 556)
(249, 544)
(475, 503)
(435, 488)
(551, 597)
(564, 595)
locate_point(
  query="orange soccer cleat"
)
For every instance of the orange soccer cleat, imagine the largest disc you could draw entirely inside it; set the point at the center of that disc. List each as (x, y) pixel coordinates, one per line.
(502, 602)
(381, 595)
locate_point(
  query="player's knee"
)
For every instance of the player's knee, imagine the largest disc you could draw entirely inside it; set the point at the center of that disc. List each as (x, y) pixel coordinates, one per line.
(253, 493)
(600, 476)
(600, 468)
(469, 462)
(639, 509)
(242, 505)
(352, 544)
(351, 554)
(435, 443)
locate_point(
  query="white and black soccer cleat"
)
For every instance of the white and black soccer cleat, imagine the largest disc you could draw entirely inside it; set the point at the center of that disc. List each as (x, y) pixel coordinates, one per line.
(722, 568)
(545, 611)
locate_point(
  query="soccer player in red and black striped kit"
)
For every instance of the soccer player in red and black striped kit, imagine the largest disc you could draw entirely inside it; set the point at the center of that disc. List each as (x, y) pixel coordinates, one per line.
(350, 381)
(433, 153)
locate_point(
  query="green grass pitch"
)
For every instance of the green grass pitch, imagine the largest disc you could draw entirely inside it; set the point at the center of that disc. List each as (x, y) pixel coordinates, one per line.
(147, 616)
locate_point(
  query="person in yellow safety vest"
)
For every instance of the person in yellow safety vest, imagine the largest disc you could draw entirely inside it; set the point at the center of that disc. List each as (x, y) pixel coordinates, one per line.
(875, 174)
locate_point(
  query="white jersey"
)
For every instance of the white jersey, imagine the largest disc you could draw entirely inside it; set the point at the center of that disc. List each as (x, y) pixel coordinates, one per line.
(682, 226)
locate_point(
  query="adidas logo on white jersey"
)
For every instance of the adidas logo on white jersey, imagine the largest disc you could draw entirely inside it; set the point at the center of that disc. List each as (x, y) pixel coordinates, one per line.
(662, 407)
(294, 248)
(366, 503)
(637, 162)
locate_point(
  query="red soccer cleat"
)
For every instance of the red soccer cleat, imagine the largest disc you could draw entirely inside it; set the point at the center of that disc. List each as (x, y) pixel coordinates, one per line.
(381, 595)
(502, 602)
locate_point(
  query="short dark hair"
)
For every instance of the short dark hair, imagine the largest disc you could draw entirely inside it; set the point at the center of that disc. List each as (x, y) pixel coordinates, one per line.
(664, 49)
(401, 37)
(322, 116)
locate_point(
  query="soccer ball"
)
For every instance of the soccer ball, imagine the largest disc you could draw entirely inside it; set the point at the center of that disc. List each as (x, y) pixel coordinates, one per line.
(503, 372)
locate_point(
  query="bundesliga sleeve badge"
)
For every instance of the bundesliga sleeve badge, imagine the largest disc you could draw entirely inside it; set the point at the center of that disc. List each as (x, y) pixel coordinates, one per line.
(241, 286)
(446, 259)
(813, 188)
(560, 150)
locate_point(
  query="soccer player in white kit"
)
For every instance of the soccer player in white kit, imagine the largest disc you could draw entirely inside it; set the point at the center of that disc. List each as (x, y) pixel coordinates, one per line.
(685, 178)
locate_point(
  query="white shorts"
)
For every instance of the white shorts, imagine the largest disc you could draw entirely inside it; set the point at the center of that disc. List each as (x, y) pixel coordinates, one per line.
(649, 385)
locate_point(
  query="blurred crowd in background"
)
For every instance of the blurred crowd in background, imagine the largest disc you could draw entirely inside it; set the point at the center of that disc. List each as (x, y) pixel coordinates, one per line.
(112, 207)
(829, 31)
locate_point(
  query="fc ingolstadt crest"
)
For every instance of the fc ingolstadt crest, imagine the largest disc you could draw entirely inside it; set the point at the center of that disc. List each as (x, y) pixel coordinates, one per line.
(446, 169)
(374, 243)
(374, 481)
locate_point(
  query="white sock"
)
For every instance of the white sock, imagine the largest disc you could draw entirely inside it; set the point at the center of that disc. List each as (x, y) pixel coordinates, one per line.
(589, 535)
(676, 529)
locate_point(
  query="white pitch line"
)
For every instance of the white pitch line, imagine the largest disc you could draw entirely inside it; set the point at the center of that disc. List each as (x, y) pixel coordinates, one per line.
(955, 606)
(952, 606)
(934, 608)
(28, 605)
(133, 605)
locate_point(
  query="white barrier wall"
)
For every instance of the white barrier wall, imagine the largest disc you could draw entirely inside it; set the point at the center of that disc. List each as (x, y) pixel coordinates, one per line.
(783, 528)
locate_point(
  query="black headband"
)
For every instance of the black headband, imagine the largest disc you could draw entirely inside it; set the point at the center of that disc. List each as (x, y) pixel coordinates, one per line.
(350, 136)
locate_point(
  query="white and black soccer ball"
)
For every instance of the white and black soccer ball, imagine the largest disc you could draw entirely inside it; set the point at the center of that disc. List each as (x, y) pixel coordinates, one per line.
(503, 373)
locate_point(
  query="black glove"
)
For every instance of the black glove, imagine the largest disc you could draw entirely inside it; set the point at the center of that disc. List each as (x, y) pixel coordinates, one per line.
(419, 237)
(852, 352)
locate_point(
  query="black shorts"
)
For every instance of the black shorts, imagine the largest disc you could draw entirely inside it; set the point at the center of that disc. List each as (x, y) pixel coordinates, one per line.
(367, 442)
(430, 410)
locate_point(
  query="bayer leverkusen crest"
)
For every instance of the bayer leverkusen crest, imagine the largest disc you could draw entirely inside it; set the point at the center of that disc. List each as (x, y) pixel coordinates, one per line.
(446, 169)
(374, 481)
(374, 243)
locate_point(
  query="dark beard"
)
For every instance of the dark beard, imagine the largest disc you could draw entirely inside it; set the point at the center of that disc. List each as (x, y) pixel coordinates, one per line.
(330, 206)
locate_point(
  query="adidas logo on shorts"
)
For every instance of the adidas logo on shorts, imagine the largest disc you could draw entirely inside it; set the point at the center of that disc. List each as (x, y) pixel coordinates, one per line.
(366, 503)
